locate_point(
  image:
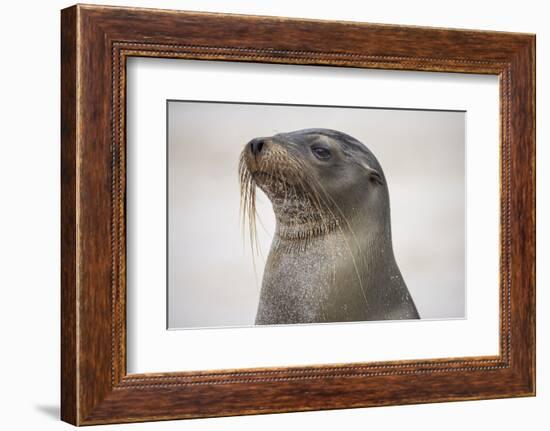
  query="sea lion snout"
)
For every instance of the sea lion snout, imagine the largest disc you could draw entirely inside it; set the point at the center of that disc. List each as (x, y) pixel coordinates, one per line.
(257, 153)
(256, 145)
(265, 154)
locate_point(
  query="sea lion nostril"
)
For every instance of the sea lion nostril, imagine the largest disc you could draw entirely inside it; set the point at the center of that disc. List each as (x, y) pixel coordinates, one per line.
(256, 146)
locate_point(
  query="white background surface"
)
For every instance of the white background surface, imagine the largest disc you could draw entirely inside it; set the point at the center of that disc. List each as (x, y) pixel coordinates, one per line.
(29, 220)
(153, 349)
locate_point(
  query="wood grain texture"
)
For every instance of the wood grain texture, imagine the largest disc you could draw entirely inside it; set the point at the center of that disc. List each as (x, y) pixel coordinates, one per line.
(96, 41)
(68, 218)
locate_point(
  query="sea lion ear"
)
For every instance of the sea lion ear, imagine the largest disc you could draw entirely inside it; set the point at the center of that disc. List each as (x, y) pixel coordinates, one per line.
(374, 175)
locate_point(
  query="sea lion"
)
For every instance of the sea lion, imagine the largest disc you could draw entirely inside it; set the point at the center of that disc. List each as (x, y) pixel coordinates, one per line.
(331, 259)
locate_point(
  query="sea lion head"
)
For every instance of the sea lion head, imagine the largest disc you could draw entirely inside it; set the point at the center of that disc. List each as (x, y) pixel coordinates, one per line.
(317, 180)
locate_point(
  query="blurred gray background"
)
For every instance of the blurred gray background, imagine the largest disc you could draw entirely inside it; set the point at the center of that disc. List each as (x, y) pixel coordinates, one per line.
(213, 280)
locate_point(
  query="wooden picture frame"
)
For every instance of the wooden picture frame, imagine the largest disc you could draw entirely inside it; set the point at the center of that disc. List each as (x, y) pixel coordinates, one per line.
(95, 43)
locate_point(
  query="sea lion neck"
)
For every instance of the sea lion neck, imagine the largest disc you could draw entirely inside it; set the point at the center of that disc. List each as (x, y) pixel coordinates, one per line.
(302, 218)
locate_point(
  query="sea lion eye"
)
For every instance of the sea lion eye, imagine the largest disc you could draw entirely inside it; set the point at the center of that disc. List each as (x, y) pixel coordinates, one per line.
(321, 152)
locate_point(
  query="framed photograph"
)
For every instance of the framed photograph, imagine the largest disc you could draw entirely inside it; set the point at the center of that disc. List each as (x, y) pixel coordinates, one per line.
(264, 214)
